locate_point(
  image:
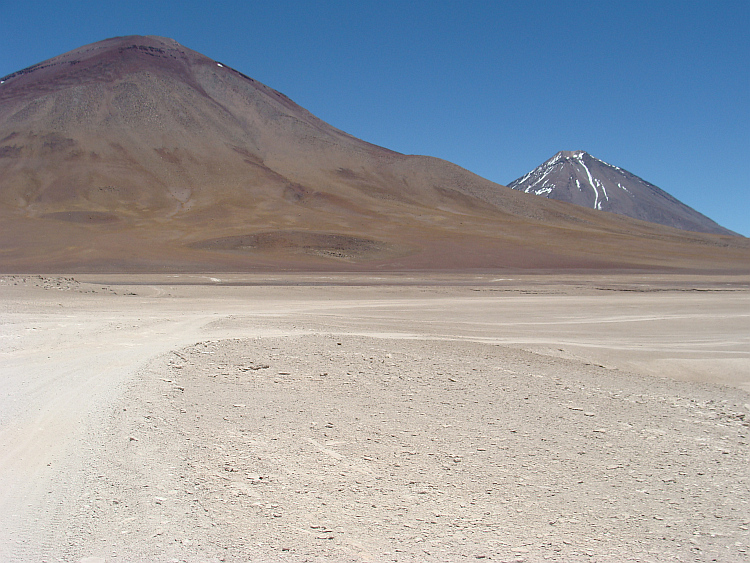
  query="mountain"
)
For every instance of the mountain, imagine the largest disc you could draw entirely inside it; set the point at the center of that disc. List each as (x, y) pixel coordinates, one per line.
(577, 177)
(138, 154)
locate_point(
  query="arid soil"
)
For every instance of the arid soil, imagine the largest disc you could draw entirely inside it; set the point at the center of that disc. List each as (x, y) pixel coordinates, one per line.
(352, 418)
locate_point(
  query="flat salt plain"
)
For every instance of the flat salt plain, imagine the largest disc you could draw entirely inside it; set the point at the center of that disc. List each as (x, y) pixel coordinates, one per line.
(403, 417)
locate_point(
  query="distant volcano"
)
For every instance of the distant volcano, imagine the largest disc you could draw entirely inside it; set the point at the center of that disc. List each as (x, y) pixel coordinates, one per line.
(577, 177)
(138, 154)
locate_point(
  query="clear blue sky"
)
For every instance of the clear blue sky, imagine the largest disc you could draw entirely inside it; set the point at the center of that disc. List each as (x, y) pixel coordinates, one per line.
(659, 88)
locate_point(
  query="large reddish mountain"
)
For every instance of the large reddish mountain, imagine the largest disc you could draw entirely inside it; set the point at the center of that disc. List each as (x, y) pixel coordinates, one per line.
(138, 154)
(578, 177)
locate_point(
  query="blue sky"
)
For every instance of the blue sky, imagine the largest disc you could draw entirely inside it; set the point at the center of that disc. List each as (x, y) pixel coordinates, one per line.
(661, 89)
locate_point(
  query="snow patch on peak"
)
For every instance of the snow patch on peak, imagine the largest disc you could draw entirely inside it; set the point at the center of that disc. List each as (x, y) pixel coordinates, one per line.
(572, 154)
(597, 204)
(604, 189)
(605, 163)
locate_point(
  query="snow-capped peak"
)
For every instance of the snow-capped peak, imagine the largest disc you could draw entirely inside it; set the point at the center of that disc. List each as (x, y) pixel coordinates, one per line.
(577, 177)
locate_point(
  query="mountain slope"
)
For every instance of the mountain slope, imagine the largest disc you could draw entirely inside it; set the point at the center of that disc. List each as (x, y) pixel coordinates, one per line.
(136, 153)
(577, 177)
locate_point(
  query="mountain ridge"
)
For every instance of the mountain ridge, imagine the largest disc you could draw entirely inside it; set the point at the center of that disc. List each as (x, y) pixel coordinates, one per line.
(136, 153)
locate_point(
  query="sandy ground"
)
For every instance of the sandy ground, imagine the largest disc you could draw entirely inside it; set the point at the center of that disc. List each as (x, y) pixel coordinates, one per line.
(347, 418)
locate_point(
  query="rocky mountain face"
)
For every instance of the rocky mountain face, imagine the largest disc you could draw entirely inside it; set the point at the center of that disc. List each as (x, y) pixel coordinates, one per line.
(577, 177)
(138, 154)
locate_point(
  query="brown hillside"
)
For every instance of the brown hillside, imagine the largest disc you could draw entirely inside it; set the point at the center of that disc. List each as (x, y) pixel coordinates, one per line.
(137, 154)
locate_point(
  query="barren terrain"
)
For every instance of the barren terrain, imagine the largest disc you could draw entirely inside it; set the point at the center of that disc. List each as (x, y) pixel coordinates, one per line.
(361, 418)
(137, 154)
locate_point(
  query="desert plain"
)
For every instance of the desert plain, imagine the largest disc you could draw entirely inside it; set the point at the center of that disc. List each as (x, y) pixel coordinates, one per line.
(375, 417)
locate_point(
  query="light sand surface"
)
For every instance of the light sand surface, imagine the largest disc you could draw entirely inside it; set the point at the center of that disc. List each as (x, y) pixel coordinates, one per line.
(355, 418)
